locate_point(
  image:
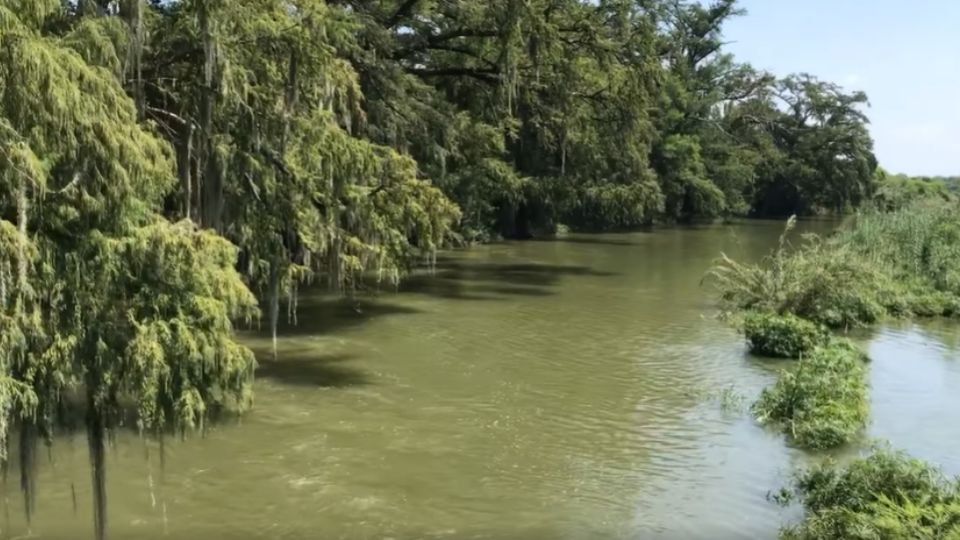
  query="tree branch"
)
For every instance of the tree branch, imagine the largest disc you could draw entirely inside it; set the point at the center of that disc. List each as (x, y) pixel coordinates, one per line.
(485, 75)
(400, 13)
(402, 53)
(170, 116)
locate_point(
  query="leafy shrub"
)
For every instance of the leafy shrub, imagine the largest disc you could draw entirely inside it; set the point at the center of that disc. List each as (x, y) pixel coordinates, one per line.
(820, 403)
(930, 304)
(784, 336)
(886, 495)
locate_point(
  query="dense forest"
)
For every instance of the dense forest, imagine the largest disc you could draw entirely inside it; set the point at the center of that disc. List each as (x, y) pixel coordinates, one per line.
(160, 160)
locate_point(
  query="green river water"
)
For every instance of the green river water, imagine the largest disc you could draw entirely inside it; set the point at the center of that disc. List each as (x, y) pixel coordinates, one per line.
(562, 389)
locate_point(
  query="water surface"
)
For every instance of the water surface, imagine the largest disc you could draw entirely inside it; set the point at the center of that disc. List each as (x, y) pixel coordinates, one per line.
(561, 389)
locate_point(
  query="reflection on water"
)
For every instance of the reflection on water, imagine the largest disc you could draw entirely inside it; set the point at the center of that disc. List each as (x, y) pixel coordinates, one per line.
(539, 390)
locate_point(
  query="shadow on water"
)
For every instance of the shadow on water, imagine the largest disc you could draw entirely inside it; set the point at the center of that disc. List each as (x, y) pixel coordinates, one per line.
(310, 368)
(327, 315)
(321, 313)
(484, 281)
(456, 288)
(589, 240)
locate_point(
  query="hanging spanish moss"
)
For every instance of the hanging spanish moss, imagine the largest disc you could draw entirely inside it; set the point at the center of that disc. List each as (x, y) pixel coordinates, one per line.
(102, 291)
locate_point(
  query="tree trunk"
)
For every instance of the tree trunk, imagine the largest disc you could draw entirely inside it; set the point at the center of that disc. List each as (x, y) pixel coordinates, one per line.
(28, 467)
(212, 182)
(184, 167)
(96, 438)
(274, 302)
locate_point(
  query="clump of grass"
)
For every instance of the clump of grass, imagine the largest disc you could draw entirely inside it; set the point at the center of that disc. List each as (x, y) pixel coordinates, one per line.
(782, 336)
(730, 400)
(727, 397)
(820, 281)
(821, 403)
(886, 495)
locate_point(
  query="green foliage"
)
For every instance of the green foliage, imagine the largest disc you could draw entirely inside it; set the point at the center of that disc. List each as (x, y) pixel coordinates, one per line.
(101, 298)
(895, 192)
(181, 293)
(785, 336)
(886, 495)
(897, 263)
(614, 114)
(827, 162)
(918, 245)
(599, 206)
(822, 281)
(821, 402)
(526, 114)
(685, 179)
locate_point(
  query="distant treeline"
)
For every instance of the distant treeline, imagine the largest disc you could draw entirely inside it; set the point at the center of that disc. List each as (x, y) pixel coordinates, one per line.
(894, 191)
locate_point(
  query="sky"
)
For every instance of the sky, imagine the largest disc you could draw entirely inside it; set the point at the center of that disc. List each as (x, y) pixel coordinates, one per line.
(905, 54)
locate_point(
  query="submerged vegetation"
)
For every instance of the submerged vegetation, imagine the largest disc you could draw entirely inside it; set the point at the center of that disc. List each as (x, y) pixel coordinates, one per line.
(783, 336)
(884, 495)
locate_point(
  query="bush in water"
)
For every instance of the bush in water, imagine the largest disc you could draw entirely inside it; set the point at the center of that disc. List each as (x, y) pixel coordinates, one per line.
(783, 336)
(820, 281)
(821, 403)
(886, 495)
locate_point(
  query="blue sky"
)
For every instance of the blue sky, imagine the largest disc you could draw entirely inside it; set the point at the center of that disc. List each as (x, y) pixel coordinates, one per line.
(905, 54)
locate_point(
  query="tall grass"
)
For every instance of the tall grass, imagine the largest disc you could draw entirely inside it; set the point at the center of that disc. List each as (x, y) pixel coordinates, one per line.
(919, 245)
(901, 263)
(886, 495)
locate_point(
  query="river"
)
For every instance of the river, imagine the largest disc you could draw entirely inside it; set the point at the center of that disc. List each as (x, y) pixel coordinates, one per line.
(565, 389)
